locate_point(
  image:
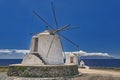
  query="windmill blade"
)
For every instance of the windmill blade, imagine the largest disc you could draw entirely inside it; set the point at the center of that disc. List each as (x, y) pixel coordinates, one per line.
(54, 15)
(43, 20)
(72, 28)
(62, 46)
(71, 42)
(64, 27)
(50, 46)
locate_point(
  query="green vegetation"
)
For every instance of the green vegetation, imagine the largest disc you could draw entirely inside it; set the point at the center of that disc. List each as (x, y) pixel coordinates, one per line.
(3, 68)
(71, 74)
(21, 68)
(46, 69)
(29, 75)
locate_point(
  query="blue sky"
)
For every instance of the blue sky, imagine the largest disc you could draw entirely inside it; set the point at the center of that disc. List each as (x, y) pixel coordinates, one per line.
(99, 22)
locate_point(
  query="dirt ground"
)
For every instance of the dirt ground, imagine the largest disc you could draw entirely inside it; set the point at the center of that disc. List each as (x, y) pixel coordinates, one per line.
(93, 74)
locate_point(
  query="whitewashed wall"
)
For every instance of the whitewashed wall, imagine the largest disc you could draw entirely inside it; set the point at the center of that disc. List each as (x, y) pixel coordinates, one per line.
(30, 59)
(68, 57)
(55, 55)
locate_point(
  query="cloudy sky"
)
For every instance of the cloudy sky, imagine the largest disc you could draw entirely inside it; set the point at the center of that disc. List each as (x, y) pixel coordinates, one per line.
(98, 20)
(19, 54)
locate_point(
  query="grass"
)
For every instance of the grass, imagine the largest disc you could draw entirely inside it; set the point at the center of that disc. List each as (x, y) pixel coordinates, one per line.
(3, 69)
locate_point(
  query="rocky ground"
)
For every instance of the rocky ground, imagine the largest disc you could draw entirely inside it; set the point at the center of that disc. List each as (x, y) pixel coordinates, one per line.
(87, 74)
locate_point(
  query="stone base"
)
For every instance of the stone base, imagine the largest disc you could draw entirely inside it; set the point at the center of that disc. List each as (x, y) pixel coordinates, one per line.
(43, 71)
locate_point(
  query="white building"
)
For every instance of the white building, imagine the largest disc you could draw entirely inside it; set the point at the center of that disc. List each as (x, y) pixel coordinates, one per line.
(71, 59)
(82, 65)
(46, 49)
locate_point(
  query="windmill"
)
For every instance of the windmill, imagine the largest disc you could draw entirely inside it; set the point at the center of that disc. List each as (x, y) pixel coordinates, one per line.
(46, 47)
(46, 59)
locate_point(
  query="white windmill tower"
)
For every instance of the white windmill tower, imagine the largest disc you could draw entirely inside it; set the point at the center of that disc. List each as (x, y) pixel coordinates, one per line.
(46, 55)
(46, 47)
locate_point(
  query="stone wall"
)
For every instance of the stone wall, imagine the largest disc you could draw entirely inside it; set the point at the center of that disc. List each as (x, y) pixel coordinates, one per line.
(43, 71)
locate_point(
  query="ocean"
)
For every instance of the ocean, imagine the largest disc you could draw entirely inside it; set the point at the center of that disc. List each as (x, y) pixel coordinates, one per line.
(7, 62)
(113, 63)
(105, 63)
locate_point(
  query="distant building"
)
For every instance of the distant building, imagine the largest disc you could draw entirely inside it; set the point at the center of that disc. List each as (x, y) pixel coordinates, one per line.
(82, 65)
(71, 59)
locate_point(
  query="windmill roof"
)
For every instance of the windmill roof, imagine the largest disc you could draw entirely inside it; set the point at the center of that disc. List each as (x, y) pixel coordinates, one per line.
(70, 54)
(46, 32)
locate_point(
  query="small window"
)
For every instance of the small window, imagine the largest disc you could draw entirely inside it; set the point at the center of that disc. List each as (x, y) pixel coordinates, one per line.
(36, 45)
(71, 60)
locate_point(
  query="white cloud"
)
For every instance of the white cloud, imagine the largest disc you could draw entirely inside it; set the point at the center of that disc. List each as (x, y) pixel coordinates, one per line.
(22, 51)
(83, 53)
(15, 53)
(5, 51)
(12, 53)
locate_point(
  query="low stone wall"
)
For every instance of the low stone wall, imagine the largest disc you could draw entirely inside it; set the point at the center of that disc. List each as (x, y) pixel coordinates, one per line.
(43, 71)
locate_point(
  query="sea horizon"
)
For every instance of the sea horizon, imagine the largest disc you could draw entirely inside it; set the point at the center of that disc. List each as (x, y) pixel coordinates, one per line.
(103, 63)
